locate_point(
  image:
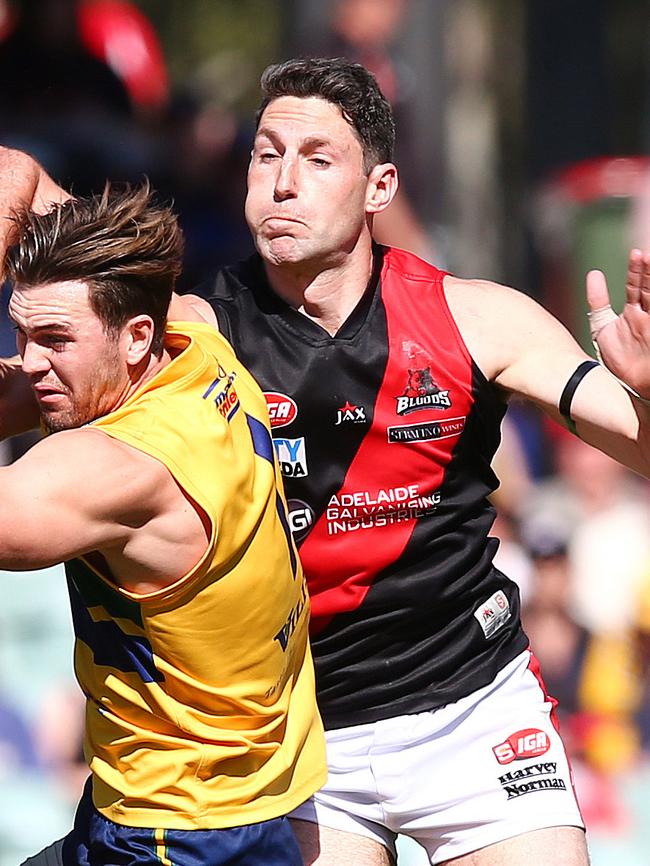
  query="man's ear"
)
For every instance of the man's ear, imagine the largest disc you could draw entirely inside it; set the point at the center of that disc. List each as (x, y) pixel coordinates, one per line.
(138, 335)
(381, 188)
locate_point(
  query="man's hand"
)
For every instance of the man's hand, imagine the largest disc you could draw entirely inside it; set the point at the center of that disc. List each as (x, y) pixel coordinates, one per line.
(624, 341)
(24, 185)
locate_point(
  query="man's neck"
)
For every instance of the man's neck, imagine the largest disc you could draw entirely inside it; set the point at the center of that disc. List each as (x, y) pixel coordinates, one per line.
(325, 294)
(149, 369)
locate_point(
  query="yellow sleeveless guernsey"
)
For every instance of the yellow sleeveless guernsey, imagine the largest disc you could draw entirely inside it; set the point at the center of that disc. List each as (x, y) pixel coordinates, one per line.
(200, 697)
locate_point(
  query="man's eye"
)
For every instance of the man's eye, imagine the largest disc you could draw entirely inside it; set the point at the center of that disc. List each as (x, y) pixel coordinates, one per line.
(268, 156)
(319, 162)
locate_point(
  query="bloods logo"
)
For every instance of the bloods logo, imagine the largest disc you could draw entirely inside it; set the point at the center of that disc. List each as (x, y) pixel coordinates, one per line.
(421, 392)
(282, 409)
(528, 743)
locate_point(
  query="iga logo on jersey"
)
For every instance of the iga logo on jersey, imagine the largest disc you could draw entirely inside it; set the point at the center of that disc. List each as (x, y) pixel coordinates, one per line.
(292, 456)
(529, 743)
(301, 518)
(421, 392)
(282, 409)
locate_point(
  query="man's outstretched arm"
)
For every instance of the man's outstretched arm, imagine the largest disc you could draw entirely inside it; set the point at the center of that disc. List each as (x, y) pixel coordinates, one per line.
(525, 351)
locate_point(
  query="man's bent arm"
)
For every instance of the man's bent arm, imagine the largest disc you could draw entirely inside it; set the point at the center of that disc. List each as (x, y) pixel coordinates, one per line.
(523, 349)
(24, 185)
(18, 407)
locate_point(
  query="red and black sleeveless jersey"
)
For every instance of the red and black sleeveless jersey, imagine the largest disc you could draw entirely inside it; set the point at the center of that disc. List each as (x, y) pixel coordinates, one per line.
(385, 434)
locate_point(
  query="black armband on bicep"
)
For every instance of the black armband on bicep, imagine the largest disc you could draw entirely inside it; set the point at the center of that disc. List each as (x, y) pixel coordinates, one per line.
(569, 390)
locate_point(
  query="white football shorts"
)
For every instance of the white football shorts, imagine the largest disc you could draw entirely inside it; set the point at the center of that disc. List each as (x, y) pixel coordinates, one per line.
(457, 778)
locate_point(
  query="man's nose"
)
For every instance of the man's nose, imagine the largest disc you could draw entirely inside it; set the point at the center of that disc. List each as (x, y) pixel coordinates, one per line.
(35, 359)
(286, 182)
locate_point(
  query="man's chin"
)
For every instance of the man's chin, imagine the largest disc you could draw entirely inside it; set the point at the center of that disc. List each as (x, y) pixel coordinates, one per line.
(56, 422)
(282, 250)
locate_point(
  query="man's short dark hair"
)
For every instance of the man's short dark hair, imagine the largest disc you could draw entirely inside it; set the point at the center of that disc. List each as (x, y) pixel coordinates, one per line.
(126, 248)
(343, 83)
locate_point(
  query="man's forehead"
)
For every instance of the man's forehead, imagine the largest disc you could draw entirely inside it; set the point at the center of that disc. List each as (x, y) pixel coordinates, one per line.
(60, 301)
(305, 113)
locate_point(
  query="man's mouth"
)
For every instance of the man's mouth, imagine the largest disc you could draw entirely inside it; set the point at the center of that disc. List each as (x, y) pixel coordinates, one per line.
(46, 394)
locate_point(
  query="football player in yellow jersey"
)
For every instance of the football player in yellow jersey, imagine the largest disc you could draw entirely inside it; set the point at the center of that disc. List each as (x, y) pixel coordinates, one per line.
(159, 488)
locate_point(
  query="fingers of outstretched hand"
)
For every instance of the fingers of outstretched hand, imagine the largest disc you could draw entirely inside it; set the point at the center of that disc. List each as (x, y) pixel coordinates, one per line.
(600, 311)
(644, 282)
(637, 286)
(597, 292)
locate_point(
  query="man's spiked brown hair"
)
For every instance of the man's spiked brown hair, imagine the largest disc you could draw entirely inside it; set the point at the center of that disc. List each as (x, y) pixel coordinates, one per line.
(122, 244)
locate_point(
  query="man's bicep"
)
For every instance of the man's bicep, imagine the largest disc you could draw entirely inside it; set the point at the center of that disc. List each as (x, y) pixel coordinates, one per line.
(48, 509)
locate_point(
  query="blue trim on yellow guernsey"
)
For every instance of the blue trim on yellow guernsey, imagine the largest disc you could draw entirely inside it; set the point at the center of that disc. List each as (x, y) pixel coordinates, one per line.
(262, 442)
(95, 592)
(282, 514)
(263, 447)
(233, 411)
(109, 645)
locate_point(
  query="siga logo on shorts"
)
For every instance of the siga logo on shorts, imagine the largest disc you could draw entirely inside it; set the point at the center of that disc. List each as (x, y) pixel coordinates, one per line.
(282, 409)
(528, 743)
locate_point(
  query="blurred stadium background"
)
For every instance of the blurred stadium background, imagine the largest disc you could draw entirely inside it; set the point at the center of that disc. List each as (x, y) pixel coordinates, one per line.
(523, 144)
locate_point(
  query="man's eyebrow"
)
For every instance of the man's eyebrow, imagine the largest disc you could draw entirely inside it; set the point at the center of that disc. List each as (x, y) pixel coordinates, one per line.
(312, 141)
(266, 132)
(56, 327)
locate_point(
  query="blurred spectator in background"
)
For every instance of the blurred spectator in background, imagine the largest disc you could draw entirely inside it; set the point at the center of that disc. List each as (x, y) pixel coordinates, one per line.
(120, 35)
(36, 766)
(367, 32)
(64, 104)
(606, 509)
(209, 183)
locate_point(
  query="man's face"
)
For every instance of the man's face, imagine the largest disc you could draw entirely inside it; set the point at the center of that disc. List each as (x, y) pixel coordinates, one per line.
(75, 368)
(306, 185)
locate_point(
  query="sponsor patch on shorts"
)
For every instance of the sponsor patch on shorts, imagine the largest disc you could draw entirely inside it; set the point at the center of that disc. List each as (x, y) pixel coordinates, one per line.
(493, 613)
(528, 743)
(529, 780)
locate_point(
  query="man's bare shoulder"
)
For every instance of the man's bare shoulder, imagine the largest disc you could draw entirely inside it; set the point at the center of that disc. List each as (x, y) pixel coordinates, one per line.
(484, 297)
(191, 308)
(499, 323)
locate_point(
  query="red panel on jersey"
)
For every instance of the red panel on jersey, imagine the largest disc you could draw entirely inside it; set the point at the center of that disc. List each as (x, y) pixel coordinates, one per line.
(420, 410)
